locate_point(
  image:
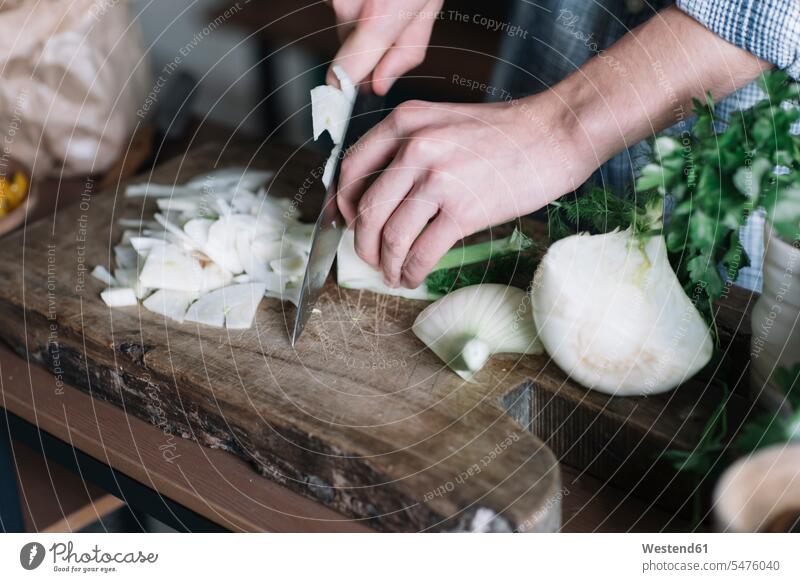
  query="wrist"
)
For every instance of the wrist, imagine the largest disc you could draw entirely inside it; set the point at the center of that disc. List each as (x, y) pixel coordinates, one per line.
(591, 128)
(564, 126)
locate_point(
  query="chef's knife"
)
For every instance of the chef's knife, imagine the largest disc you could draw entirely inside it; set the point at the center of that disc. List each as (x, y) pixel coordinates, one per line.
(367, 111)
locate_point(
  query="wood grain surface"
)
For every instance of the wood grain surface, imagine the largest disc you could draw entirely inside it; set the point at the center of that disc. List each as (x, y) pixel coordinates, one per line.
(359, 416)
(217, 485)
(224, 488)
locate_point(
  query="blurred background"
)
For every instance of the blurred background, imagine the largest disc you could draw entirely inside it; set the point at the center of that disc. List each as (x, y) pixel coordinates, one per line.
(102, 89)
(255, 70)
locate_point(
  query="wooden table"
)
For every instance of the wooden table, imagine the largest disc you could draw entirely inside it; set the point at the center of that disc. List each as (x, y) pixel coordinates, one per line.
(222, 488)
(216, 485)
(395, 466)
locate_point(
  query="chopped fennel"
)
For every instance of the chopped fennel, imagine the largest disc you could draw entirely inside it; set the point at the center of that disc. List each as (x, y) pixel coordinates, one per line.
(214, 250)
(170, 267)
(468, 326)
(143, 244)
(241, 303)
(345, 84)
(292, 266)
(102, 274)
(170, 303)
(197, 230)
(127, 235)
(330, 110)
(330, 165)
(235, 305)
(221, 244)
(223, 180)
(130, 278)
(119, 297)
(151, 190)
(208, 310)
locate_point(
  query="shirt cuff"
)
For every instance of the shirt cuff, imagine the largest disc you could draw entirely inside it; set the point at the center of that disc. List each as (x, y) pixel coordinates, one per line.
(769, 29)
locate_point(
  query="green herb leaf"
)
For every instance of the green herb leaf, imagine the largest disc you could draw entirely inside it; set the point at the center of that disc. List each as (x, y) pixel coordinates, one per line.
(725, 174)
(598, 210)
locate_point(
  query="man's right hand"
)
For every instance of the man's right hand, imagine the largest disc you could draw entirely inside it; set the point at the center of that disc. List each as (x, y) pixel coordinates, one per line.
(384, 37)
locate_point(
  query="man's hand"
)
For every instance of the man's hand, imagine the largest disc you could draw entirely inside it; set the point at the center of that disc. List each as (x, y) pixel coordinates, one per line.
(455, 170)
(384, 37)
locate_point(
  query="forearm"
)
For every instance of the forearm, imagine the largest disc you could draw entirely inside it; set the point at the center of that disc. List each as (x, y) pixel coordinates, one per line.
(646, 81)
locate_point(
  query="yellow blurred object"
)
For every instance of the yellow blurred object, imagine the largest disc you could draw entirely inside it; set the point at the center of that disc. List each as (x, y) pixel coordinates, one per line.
(12, 193)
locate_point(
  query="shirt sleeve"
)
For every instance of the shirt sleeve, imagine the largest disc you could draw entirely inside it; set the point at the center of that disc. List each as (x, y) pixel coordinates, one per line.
(769, 29)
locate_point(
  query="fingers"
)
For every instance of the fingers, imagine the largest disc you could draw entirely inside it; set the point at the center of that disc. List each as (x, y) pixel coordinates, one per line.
(400, 232)
(377, 206)
(407, 53)
(347, 12)
(366, 158)
(364, 47)
(430, 246)
(375, 150)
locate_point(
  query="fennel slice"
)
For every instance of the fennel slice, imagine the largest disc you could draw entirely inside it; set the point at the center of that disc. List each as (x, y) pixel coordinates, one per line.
(102, 274)
(170, 303)
(143, 244)
(170, 267)
(197, 230)
(119, 297)
(330, 109)
(233, 306)
(468, 326)
(290, 266)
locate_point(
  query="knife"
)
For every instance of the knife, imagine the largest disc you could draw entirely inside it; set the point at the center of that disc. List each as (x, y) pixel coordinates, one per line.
(367, 110)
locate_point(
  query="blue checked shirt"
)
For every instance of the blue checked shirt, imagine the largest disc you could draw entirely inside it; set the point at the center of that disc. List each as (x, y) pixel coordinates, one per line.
(563, 34)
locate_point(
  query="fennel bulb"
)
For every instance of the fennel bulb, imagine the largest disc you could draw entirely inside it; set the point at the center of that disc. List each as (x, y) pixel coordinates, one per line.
(353, 273)
(468, 326)
(611, 313)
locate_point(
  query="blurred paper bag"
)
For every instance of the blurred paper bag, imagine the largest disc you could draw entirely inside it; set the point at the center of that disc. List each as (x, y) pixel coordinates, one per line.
(72, 78)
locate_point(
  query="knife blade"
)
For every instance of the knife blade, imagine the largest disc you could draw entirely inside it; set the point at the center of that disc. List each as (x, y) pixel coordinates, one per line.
(367, 110)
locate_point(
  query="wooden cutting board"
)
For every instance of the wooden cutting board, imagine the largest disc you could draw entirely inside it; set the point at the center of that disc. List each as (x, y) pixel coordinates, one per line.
(360, 416)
